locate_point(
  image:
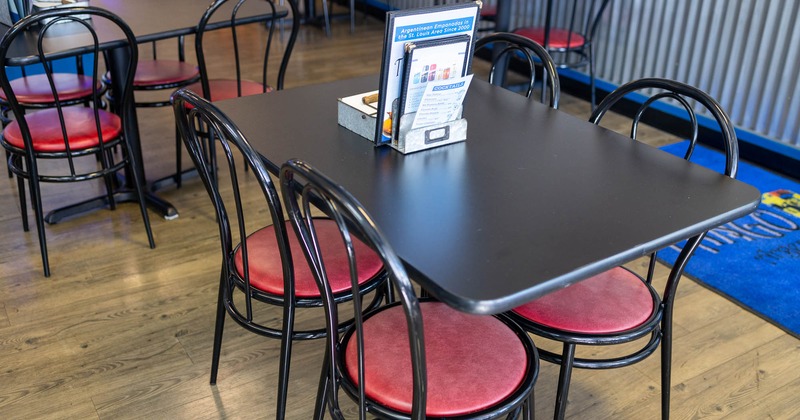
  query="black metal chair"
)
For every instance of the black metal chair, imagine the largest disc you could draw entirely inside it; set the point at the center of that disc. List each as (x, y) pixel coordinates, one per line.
(159, 74)
(233, 83)
(506, 46)
(257, 265)
(568, 33)
(63, 132)
(619, 305)
(461, 366)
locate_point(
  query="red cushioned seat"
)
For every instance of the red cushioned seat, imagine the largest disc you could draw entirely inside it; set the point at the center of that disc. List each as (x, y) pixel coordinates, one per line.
(35, 89)
(227, 89)
(81, 129)
(614, 301)
(266, 268)
(151, 73)
(559, 38)
(473, 361)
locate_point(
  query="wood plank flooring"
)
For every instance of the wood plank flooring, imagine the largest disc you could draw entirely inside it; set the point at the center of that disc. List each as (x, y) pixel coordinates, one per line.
(124, 332)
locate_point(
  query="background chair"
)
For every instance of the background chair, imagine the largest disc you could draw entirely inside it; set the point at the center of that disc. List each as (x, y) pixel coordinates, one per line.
(505, 46)
(461, 366)
(160, 74)
(221, 87)
(567, 34)
(63, 132)
(620, 306)
(257, 265)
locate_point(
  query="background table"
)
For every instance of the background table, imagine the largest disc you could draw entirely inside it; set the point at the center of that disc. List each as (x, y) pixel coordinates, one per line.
(533, 201)
(150, 20)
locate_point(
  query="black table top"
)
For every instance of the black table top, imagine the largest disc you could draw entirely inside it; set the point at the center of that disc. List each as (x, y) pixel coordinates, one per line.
(150, 20)
(533, 201)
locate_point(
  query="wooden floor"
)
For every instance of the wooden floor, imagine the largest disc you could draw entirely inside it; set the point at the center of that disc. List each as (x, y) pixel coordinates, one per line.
(122, 331)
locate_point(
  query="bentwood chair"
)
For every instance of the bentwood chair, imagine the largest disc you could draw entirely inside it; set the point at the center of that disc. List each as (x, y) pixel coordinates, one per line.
(505, 46)
(568, 33)
(155, 74)
(258, 264)
(413, 358)
(75, 135)
(230, 64)
(619, 305)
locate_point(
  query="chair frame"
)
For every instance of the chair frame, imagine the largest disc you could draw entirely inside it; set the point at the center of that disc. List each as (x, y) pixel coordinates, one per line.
(303, 186)
(23, 161)
(659, 325)
(196, 118)
(587, 25)
(533, 53)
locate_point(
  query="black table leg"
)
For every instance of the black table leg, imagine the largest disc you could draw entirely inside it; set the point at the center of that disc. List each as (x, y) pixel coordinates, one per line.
(117, 58)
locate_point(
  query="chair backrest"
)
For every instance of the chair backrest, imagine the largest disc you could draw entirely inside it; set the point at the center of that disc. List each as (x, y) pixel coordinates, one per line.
(569, 28)
(235, 19)
(302, 187)
(204, 129)
(690, 99)
(505, 45)
(693, 101)
(38, 31)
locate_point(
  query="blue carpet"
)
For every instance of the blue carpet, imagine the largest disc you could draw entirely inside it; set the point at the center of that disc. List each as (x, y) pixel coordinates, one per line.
(755, 260)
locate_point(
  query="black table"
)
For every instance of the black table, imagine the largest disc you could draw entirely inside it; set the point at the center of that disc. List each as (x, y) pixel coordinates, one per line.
(150, 20)
(533, 201)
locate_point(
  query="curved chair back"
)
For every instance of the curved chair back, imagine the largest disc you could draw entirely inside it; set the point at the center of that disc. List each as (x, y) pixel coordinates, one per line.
(42, 25)
(302, 186)
(64, 129)
(203, 128)
(681, 94)
(234, 19)
(507, 45)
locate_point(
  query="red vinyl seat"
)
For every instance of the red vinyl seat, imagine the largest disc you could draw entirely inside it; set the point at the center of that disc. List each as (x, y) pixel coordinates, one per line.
(266, 266)
(614, 301)
(82, 134)
(473, 362)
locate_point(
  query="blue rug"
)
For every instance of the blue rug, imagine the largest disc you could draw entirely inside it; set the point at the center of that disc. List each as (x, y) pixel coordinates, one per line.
(755, 260)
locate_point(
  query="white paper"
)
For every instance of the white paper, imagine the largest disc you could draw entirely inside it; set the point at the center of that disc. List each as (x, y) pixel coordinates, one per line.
(441, 101)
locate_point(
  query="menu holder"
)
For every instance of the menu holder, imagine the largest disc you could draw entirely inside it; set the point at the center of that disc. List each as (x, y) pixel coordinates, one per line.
(416, 26)
(432, 91)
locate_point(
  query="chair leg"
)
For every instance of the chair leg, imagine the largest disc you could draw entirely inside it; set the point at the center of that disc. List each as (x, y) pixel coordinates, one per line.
(564, 376)
(8, 157)
(322, 390)
(23, 204)
(138, 182)
(591, 79)
(286, 355)
(327, 18)
(178, 163)
(218, 328)
(352, 16)
(36, 203)
(666, 366)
